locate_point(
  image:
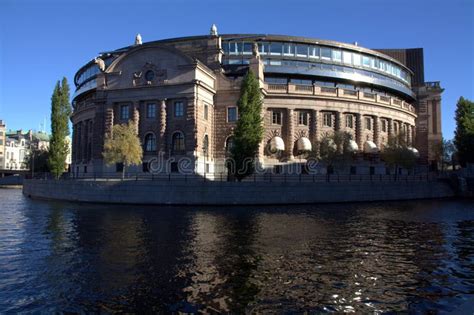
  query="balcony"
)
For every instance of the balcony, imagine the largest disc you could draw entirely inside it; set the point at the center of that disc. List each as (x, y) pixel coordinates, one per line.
(290, 88)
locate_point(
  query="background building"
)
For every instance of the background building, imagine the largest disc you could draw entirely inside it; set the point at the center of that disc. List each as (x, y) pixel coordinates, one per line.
(2, 143)
(182, 96)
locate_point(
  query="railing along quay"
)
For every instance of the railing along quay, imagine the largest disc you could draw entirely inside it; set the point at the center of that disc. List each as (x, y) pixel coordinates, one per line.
(223, 177)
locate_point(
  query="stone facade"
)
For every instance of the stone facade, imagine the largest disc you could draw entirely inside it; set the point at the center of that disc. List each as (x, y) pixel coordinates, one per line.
(182, 96)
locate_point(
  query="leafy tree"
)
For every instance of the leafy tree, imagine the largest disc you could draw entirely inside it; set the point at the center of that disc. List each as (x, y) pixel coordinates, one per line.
(444, 152)
(334, 149)
(464, 133)
(249, 130)
(397, 153)
(60, 112)
(123, 146)
(38, 160)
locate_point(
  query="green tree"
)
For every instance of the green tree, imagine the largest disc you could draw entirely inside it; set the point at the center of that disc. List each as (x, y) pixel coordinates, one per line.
(397, 153)
(249, 130)
(60, 112)
(123, 146)
(335, 150)
(443, 151)
(464, 133)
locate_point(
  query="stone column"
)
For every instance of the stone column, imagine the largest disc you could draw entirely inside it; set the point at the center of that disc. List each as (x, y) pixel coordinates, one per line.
(377, 131)
(109, 121)
(136, 117)
(358, 131)
(338, 121)
(162, 134)
(290, 133)
(390, 127)
(409, 135)
(74, 143)
(313, 129)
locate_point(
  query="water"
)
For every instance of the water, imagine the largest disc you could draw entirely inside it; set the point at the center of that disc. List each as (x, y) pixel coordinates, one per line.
(415, 256)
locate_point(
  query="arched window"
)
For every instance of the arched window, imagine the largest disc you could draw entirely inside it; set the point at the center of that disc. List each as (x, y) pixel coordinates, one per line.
(205, 145)
(178, 142)
(229, 144)
(150, 142)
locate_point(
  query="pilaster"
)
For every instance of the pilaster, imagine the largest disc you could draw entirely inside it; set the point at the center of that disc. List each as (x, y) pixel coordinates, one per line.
(291, 133)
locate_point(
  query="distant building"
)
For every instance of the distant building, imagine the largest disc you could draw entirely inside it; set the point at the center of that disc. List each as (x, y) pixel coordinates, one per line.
(2, 143)
(182, 95)
(16, 154)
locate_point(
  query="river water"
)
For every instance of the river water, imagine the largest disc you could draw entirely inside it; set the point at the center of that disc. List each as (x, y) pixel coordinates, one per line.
(415, 256)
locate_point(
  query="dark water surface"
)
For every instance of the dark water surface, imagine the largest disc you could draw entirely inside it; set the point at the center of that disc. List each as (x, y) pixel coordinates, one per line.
(379, 257)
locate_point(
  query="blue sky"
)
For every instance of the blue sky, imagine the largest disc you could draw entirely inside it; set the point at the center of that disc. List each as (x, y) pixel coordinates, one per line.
(41, 41)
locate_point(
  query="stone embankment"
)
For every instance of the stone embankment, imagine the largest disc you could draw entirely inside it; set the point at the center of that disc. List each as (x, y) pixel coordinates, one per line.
(232, 193)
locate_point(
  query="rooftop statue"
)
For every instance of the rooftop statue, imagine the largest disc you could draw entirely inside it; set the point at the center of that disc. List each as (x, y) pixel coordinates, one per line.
(100, 63)
(213, 30)
(138, 39)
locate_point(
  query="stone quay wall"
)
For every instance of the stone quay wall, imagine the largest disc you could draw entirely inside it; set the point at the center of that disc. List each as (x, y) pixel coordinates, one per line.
(232, 193)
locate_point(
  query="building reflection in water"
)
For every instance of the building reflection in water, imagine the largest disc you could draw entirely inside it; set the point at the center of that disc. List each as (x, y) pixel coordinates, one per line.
(360, 257)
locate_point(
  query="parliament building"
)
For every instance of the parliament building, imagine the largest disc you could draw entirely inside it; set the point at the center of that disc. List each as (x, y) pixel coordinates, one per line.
(182, 93)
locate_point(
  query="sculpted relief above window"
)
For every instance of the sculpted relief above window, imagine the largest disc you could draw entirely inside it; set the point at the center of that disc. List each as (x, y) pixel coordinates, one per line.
(149, 74)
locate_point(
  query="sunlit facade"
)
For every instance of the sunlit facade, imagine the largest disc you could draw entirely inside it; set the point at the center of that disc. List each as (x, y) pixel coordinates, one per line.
(182, 96)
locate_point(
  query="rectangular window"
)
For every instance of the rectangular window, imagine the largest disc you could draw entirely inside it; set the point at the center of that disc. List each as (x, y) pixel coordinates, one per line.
(347, 57)
(263, 48)
(289, 50)
(327, 119)
(384, 125)
(276, 48)
(314, 52)
(118, 167)
(368, 123)
(365, 61)
(231, 114)
(302, 50)
(235, 48)
(1, 143)
(303, 118)
(337, 55)
(145, 168)
(356, 59)
(206, 112)
(247, 48)
(349, 121)
(124, 112)
(325, 53)
(276, 118)
(178, 109)
(150, 110)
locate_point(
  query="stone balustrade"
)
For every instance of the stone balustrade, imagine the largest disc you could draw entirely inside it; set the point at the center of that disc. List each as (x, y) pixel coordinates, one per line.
(339, 93)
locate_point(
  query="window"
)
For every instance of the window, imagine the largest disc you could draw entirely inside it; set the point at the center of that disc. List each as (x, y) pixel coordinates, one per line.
(231, 114)
(263, 48)
(368, 123)
(365, 61)
(347, 57)
(303, 118)
(174, 167)
(145, 167)
(206, 111)
(124, 112)
(177, 142)
(302, 50)
(149, 75)
(275, 48)
(349, 121)
(395, 128)
(247, 48)
(229, 144)
(384, 125)
(150, 142)
(356, 59)
(327, 119)
(205, 146)
(118, 167)
(276, 118)
(151, 110)
(235, 48)
(325, 53)
(314, 52)
(288, 50)
(178, 109)
(337, 55)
